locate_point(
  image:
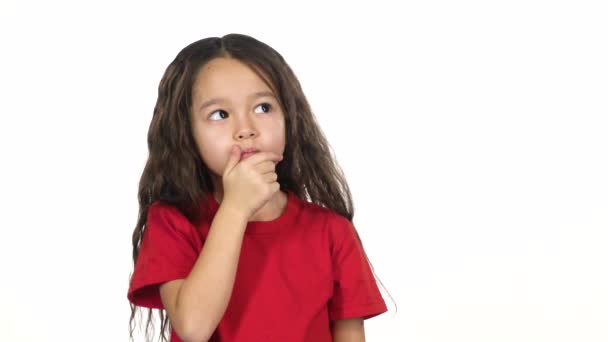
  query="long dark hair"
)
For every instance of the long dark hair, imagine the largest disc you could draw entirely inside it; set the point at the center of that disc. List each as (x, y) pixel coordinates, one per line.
(175, 173)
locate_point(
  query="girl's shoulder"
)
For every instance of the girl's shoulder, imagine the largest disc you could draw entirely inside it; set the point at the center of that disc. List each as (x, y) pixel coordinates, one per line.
(323, 217)
(164, 209)
(164, 215)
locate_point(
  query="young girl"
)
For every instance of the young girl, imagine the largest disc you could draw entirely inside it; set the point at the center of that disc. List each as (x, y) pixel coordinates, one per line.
(245, 226)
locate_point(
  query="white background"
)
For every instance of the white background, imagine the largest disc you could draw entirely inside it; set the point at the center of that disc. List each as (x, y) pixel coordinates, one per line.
(474, 136)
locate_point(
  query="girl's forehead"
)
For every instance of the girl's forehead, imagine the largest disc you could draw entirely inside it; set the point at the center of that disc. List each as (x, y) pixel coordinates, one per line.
(221, 71)
(222, 77)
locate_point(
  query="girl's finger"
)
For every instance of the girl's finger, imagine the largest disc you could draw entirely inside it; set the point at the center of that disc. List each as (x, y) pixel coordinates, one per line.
(266, 166)
(270, 177)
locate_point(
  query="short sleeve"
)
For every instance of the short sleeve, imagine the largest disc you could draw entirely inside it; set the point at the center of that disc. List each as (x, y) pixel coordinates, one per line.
(169, 248)
(356, 293)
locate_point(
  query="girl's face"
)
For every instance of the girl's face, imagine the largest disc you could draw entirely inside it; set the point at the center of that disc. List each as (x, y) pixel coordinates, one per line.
(231, 105)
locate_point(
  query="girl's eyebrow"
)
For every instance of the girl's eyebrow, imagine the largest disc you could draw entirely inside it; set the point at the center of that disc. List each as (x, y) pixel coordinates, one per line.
(219, 99)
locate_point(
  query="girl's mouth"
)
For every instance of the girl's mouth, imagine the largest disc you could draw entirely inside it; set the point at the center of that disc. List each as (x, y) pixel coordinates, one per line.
(247, 155)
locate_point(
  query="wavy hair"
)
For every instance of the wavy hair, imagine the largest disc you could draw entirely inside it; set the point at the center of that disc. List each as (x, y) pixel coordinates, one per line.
(175, 173)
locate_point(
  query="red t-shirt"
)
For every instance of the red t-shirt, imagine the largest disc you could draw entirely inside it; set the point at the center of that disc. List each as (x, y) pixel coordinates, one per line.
(295, 273)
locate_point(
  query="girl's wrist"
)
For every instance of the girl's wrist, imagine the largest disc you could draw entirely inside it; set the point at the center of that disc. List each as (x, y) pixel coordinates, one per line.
(233, 213)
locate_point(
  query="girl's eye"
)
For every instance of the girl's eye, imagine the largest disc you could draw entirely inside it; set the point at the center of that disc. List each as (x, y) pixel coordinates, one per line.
(224, 114)
(267, 105)
(219, 111)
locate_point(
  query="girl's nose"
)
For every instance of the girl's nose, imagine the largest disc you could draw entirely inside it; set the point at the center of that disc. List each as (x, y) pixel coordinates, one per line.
(245, 128)
(246, 133)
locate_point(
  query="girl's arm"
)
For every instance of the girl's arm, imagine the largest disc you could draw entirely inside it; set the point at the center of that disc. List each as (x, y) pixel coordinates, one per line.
(195, 305)
(348, 330)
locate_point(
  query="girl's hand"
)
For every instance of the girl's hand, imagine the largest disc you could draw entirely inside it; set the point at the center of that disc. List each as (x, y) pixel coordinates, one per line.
(250, 183)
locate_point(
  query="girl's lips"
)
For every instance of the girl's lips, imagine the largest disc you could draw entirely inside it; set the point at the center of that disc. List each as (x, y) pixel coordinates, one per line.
(250, 149)
(247, 154)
